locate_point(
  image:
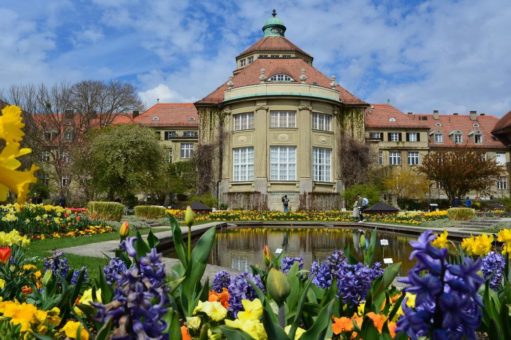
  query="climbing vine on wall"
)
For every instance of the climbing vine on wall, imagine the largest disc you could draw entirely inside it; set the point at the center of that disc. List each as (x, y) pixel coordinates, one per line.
(354, 161)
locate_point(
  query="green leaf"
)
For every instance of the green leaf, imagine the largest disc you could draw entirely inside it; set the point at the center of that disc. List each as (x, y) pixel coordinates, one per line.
(140, 246)
(152, 240)
(173, 327)
(234, 334)
(273, 330)
(177, 239)
(104, 332)
(320, 326)
(299, 309)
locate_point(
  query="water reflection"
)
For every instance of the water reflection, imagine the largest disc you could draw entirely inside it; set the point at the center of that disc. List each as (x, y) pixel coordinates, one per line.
(238, 248)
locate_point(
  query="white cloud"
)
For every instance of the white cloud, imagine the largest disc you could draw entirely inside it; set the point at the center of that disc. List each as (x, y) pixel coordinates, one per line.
(161, 93)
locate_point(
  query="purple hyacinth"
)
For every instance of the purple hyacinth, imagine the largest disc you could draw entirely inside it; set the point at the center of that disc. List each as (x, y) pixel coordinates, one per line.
(447, 305)
(354, 281)
(76, 275)
(140, 299)
(240, 288)
(493, 266)
(57, 264)
(221, 281)
(114, 269)
(321, 274)
(287, 262)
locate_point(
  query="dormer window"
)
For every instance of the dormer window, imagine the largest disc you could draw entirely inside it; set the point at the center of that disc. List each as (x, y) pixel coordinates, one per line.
(155, 118)
(392, 119)
(478, 138)
(457, 136)
(280, 78)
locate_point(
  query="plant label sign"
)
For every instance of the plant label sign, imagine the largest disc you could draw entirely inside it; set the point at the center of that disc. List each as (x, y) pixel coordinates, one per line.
(384, 242)
(388, 260)
(278, 251)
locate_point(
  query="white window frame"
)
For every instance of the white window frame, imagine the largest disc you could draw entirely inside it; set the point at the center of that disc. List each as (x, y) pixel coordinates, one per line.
(478, 138)
(281, 77)
(380, 157)
(186, 150)
(243, 164)
(321, 121)
(64, 181)
(170, 134)
(282, 119)
(190, 134)
(68, 135)
(250, 60)
(243, 121)
(395, 157)
(242, 62)
(413, 137)
(283, 163)
(457, 138)
(502, 183)
(46, 156)
(394, 136)
(438, 138)
(413, 158)
(322, 164)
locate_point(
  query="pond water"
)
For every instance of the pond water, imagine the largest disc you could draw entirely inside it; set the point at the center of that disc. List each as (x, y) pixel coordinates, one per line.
(240, 247)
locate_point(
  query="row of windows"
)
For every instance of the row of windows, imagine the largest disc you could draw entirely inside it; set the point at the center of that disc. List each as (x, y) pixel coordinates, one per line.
(437, 137)
(247, 61)
(414, 159)
(51, 135)
(282, 164)
(173, 134)
(282, 119)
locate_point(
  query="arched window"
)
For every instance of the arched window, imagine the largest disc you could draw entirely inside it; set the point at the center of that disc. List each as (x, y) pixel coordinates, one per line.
(280, 78)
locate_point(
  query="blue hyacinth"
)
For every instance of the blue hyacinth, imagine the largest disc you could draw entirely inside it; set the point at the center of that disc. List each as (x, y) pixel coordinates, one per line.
(114, 269)
(221, 281)
(287, 262)
(57, 264)
(240, 288)
(447, 305)
(76, 275)
(140, 298)
(493, 267)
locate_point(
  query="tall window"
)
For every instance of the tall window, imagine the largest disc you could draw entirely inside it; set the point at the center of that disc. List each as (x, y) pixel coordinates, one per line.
(394, 157)
(380, 157)
(478, 138)
(64, 181)
(500, 158)
(282, 119)
(394, 136)
(458, 138)
(283, 163)
(502, 183)
(68, 135)
(412, 137)
(186, 150)
(439, 138)
(46, 156)
(321, 164)
(243, 121)
(321, 121)
(243, 164)
(413, 158)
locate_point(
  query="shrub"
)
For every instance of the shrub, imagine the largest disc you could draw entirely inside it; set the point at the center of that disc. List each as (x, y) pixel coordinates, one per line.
(150, 211)
(369, 191)
(461, 214)
(110, 211)
(206, 199)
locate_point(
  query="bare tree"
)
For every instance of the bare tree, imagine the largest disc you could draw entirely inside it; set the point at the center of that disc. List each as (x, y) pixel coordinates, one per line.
(58, 117)
(354, 158)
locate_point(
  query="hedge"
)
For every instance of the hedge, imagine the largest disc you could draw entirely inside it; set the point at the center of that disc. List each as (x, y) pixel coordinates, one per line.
(150, 211)
(106, 211)
(461, 214)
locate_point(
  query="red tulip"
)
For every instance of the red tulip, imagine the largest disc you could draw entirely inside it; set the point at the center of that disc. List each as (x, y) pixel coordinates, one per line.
(5, 254)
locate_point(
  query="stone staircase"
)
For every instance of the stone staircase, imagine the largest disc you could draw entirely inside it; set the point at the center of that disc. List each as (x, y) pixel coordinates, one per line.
(478, 225)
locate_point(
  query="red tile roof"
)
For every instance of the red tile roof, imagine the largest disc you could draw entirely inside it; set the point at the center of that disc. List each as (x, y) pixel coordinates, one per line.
(170, 114)
(386, 116)
(123, 118)
(274, 44)
(504, 123)
(292, 67)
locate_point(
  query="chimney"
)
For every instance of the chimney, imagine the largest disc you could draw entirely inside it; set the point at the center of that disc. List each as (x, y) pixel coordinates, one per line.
(410, 113)
(455, 114)
(135, 113)
(473, 115)
(436, 115)
(482, 114)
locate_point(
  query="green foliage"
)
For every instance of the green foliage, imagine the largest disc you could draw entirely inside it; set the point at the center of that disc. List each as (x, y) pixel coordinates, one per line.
(370, 191)
(110, 211)
(206, 199)
(461, 214)
(150, 211)
(8, 331)
(125, 159)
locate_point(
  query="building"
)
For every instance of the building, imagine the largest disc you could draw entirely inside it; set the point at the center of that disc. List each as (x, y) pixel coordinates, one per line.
(399, 139)
(274, 129)
(176, 126)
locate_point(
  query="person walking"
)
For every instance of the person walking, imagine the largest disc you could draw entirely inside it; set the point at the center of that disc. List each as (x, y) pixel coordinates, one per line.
(285, 203)
(468, 202)
(362, 204)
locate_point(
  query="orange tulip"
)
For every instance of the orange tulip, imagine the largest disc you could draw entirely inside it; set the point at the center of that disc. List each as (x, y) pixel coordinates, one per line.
(392, 329)
(26, 289)
(5, 254)
(267, 255)
(378, 320)
(222, 297)
(124, 229)
(342, 324)
(185, 335)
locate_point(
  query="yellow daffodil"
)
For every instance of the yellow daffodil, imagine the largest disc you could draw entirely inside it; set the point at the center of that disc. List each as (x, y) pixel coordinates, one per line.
(254, 328)
(298, 334)
(193, 322)
(253, 310)
(71, 328)
(504, 236)
(478, 246)
(214, 310)
(86, 299)
(11, 132)
(441, 240)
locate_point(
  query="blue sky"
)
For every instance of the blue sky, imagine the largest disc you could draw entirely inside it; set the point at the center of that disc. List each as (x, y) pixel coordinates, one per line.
(420, 55)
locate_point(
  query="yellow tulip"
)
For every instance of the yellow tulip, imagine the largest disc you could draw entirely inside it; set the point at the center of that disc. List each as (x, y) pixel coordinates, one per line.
(71, 328)
(189, 216)
(214, 310)
(253, 310)
(254, 328)
(124, 229)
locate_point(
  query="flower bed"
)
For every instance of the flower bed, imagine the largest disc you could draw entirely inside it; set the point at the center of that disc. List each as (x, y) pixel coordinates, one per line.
(47, 221)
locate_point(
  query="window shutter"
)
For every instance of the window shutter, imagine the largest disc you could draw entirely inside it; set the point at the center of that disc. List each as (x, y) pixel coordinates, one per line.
(418, 137)
(407, 136)
(388, 137)
(400, 136)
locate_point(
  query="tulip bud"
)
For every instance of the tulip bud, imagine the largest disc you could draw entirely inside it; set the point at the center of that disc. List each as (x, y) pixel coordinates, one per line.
(189, 216)
(277, 285)
(124, 229)
(267, 255)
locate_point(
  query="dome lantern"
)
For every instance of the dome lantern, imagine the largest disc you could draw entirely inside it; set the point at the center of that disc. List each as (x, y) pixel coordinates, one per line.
(274, 27)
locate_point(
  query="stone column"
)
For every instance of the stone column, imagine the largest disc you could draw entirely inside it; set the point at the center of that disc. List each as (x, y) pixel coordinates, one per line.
(304, 147)
(261, 125)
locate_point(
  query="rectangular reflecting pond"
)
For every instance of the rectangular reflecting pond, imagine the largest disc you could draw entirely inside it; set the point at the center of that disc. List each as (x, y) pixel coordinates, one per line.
(240, 247)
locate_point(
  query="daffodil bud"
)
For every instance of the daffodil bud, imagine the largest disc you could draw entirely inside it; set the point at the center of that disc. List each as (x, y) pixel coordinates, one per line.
(189, 216)
(277, 285)
(267, 255)
(124, 229)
